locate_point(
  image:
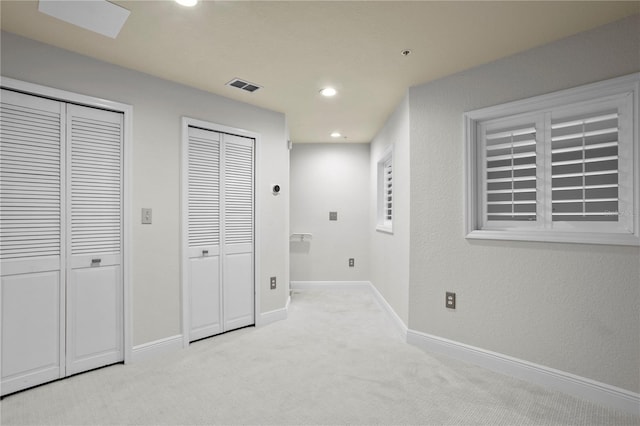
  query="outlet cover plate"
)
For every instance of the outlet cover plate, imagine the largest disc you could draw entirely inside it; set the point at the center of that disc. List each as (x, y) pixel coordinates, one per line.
(450, 301)
(352, 262)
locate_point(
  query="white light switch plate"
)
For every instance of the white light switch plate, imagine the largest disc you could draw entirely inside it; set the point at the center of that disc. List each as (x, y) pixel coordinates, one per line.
(146, 216)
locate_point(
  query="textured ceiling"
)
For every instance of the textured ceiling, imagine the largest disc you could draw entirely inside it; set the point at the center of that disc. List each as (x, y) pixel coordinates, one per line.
(294, 48)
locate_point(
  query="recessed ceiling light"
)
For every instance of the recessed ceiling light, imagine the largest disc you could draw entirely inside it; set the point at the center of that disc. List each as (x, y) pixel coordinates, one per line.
(406, 52)
(335, 135)
(328, 92)
(188, 3)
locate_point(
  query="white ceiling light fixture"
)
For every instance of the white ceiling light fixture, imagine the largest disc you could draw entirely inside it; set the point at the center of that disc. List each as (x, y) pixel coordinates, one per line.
(336, 134)
(328, 92)
(187, 3)
(99, 16)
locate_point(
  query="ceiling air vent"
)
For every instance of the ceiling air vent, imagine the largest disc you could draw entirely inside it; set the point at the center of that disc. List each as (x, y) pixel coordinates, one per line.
(244, 85)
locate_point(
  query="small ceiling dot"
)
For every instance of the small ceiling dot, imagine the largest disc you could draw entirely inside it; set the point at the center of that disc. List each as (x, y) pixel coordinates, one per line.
(406, 52)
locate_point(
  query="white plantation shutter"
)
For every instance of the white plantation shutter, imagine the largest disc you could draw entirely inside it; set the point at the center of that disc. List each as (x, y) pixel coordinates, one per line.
(388, 190)
(560, 167)
(95, 141)
(584, 161)
(384, 193)
(238, 192)
(204, 188)
(511, 173)
(30, 176)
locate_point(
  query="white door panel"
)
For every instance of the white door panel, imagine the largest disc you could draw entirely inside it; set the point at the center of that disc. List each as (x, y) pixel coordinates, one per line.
(203, 249)
(61, 218)
(94, 285)
(238, 277)
(204, 276)
(94, 318)
(238, 291)
(31, 240)
(30, 330)
(219, 219)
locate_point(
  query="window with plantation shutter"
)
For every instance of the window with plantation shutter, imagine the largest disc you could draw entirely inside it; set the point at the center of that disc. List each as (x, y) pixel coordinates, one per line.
(560, 167)
(30, 160)
(511, 172)
(584, 167)
(388, 191)
(385, 192)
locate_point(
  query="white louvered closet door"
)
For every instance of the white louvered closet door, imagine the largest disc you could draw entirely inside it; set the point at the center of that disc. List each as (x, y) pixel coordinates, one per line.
(219, 248)
(238, 217)
(94, 238)
(203, 238)
(31, 243)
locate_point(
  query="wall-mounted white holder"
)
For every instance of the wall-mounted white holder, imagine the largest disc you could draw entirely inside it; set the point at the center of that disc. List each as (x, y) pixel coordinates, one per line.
(301, 237)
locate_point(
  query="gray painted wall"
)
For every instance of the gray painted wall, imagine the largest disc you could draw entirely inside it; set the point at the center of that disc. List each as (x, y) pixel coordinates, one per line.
(330, 177)
(573, 307)
(158, 106)
(390, 252)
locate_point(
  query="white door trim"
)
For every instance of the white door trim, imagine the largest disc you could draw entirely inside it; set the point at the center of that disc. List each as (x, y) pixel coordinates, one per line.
(127, 111)
(184, 193)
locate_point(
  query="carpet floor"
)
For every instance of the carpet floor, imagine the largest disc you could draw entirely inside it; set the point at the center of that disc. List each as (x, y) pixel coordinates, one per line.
(337, 360)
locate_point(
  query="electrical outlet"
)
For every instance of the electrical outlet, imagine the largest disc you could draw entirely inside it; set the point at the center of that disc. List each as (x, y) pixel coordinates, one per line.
(333, 215)
(352, 262)
(450, 300)
(273, 283)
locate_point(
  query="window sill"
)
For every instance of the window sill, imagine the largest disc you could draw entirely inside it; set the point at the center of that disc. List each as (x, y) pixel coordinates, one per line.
(556, 237)
(385, 229)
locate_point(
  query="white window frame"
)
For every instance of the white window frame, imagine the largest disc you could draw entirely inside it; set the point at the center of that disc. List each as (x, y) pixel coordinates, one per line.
(625, 232)
(384, 222)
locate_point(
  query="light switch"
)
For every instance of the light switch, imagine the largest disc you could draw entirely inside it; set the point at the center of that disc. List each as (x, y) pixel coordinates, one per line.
(333, 215)
(146, 216)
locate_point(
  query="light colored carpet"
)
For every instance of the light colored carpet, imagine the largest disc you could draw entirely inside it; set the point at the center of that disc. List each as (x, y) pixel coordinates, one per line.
(336, 360)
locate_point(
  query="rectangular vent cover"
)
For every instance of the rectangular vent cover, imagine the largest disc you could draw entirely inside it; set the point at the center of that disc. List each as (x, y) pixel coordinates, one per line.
(244, 85)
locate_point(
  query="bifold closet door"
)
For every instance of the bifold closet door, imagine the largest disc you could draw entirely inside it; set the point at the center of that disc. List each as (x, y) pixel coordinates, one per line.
(220, 232)
(61, 239)
(94, 239)
(238, 283)
(31, 240)
(203, 238)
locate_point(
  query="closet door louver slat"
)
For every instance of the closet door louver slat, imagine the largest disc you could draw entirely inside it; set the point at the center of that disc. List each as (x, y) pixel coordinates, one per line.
(238, 218)
(96, 181)
(204, 188)
(30, 170)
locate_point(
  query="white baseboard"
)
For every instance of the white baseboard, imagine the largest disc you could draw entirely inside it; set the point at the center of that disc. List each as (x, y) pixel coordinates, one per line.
(397, 321)
(568, 383)
(157, 347)
(266, 318)
(328, 285)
